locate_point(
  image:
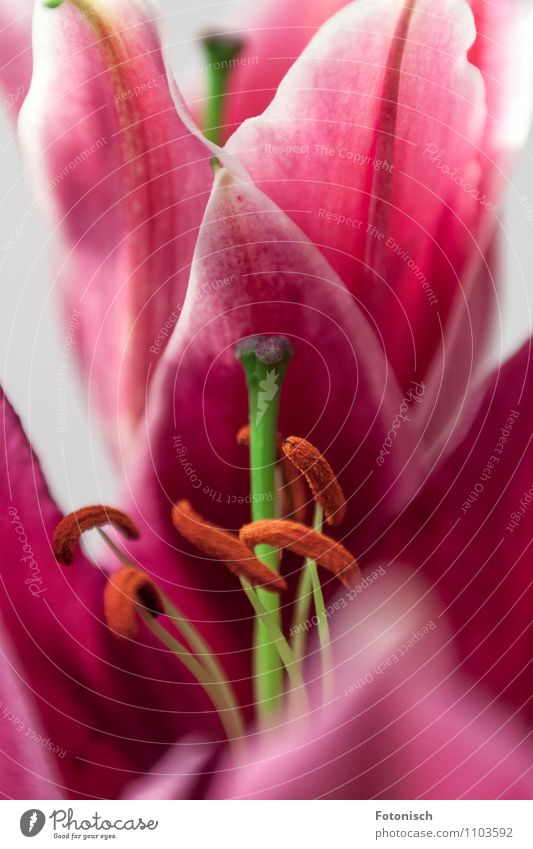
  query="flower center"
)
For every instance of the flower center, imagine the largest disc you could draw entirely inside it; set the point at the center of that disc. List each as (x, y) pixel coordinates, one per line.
(254, 556)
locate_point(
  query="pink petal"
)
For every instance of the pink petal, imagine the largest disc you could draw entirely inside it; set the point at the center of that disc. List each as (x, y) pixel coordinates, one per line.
(469, 531)
(178, 774)
(402, 725)
(272, 41)
(27, 768)
(502, 53)
(348, 134)
(125, 184)
(110, 706)
(254, 271)
(15, 42)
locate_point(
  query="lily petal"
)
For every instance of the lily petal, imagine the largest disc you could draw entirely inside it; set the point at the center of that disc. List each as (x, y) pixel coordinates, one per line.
(502, 53)
(373, 144)
(402, 725)
(469, 531)
(108, 706)
(27, 765)
(272, 40)
(125, 184)
(255, 272)
(15, 43)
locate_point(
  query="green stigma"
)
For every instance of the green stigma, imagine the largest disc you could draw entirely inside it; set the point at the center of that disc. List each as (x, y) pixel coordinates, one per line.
(221, 54)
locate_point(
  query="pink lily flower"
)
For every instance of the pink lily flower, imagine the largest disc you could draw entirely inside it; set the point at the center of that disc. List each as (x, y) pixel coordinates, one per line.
(146, 234)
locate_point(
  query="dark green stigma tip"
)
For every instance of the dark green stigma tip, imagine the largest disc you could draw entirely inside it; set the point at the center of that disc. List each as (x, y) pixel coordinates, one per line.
(222, 49)
(267, 349)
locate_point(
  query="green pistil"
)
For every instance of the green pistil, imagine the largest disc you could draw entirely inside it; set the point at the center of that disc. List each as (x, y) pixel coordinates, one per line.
(265, 360)
(221, 52)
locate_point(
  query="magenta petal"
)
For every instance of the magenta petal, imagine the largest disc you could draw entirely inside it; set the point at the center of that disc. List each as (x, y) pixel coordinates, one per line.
(469, 531)
(502, 53)
(402, 725)
(109, 706)
(254, 271)
(15, 47)
(178, 774)
(373, 144)
(272, 40)
(125, 184)
(27, 764)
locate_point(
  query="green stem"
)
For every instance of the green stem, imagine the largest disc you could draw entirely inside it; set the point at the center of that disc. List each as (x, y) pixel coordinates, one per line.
(278, 640)
(221, 52)
(265, 361)
(230, 720)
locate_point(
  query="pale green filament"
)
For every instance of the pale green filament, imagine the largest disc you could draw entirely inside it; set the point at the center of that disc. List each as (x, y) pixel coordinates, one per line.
(229, 717)
(201, 662)
(309, 586)
(278, 640)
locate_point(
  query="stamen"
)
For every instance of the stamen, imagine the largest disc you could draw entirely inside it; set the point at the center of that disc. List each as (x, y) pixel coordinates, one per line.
(293, 494)
(224, 546)
(320, 477)
(128, 591)
(307, 543)
(71, 527)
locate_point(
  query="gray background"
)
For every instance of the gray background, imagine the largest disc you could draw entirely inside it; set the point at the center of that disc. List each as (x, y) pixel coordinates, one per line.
(31, 338)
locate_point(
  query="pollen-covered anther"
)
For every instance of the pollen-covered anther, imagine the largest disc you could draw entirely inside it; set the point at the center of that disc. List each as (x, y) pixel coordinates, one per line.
(71, 527)
(320, 477)
(224, 546)
(128, 591)
(304, 541)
